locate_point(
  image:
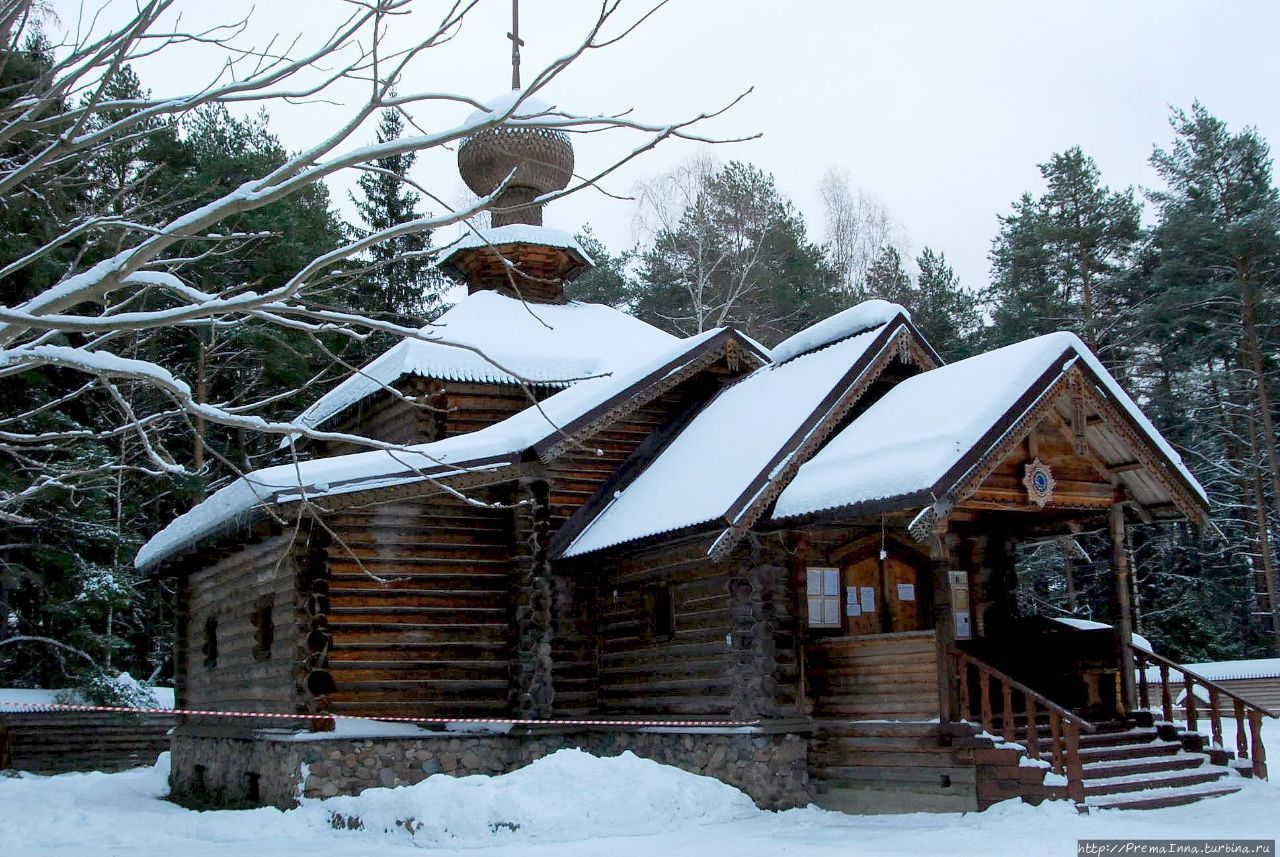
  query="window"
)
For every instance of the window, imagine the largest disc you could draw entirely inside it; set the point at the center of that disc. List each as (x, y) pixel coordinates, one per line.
(264, 625)
(660, 613)
(824, 597)
(210, 647)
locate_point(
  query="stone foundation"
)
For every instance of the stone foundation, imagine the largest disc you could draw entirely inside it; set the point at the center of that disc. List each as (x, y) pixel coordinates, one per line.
(267, 770)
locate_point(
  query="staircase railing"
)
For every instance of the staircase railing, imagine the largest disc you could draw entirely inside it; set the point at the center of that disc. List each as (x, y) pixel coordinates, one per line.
(1249, 744)
(1064, 726)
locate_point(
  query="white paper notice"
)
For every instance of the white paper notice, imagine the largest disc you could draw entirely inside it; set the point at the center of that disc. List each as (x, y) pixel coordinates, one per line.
(851, 606)
(868, 599)
(906, 592)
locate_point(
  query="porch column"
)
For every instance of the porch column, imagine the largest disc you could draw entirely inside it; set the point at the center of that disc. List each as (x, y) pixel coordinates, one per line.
(1124, 607)
(943, 554)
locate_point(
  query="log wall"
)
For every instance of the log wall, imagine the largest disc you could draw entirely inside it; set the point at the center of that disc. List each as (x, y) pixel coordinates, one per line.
(228, 590)
(420, 608)
(880, 677)
(730, 650)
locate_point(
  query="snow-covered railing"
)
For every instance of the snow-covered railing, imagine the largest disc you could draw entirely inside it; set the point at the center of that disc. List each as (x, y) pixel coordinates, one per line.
(1248, 740)
(1064, 726)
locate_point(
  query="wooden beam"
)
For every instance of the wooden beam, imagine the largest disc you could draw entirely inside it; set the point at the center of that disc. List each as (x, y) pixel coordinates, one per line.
(1124, 606)
(943, 555)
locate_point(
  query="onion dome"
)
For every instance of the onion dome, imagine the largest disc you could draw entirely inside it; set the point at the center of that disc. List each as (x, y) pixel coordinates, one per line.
(541, 158)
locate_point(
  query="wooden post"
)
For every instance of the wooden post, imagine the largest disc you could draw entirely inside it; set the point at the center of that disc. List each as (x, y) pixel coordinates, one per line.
(1144, 688)
(1242, 737)
(1124, 608)
(1166, 695)
(799, 584)
(945, 626)
(962, 675)
(1055, 740)
(984, 691)
(533, 689)
(1006, 719)
(1033, 730)
(1189, 702)
(1255, 739)
(1215, 716)
(1075, 768)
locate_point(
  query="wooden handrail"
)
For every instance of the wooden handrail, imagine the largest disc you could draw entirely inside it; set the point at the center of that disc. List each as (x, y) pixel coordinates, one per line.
(1248, 715)
(1144, 654)
(1041, 700)
(1064, 726)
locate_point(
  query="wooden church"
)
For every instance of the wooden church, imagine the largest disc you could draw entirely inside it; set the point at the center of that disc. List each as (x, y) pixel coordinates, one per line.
(792, 569)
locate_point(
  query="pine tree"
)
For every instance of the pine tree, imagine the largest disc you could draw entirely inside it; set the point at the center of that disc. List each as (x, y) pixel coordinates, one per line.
(401, 279)
(1059, 262)
(1215, 297)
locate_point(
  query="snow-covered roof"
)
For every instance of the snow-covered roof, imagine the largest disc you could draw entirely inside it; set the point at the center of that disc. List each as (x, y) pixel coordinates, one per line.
(489, 337)
(1090, 625)
(907, 442)
(518, 233)
(1228, 670)
(494, 446)
(711, 469)
(864, 316)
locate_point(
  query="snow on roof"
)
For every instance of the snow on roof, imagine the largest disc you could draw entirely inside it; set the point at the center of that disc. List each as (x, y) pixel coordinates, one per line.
(546, 344)
(709, 466)
(1090, 625)
(1228, 670)
(491, 447)
(855, 319)
(908, 441)
(517, 233)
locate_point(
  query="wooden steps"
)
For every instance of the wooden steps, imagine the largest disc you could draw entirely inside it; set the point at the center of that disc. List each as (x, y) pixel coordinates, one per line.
(1128, 766)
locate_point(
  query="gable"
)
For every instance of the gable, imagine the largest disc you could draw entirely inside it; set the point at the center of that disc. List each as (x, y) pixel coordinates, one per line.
(938, 438)
(724, 467)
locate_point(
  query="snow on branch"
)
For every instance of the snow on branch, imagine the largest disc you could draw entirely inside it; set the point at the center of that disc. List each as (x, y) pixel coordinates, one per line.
(123, 275)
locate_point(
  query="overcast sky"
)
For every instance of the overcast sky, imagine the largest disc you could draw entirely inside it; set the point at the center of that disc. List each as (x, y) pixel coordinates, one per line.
(941, 109)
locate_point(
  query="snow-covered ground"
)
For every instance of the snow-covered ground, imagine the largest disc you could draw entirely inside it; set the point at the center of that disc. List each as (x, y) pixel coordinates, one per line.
(569, 805)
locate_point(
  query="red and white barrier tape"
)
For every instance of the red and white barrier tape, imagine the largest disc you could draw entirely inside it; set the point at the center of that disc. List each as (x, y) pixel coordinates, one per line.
(37, 707)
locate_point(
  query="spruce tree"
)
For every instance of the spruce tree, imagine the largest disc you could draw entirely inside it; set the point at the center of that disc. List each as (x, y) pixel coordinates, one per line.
(401, 280)
(608, 281)
(946, 313)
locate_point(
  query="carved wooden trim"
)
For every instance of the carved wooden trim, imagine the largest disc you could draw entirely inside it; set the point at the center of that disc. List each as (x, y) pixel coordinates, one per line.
(632, 404)
(1152, 463)
(1013, 436)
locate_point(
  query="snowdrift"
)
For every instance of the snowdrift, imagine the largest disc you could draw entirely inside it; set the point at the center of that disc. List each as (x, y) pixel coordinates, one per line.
(569, 795)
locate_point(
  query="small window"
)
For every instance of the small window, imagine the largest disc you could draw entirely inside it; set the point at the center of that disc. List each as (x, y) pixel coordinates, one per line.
(660, 614)
(210, 647)
(824, 597)
(264, 625)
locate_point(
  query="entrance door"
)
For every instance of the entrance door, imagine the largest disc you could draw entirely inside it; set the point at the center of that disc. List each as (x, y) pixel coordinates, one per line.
(882, 596)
